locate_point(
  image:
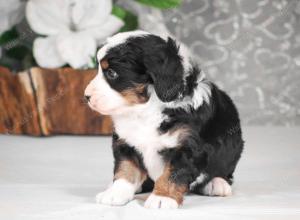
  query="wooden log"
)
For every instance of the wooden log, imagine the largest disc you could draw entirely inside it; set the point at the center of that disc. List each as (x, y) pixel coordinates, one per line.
(48, 101)
(18, 110)
(61, 107)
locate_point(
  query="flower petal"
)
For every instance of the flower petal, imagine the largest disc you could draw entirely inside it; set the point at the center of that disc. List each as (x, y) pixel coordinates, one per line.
(90, 13)
(111, 26)
(46, 53)
(48, 17)
(13, 6)
(77, 49)
(11, 14)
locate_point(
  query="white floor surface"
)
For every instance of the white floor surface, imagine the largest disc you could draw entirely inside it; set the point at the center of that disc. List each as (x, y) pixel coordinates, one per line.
(58, 177)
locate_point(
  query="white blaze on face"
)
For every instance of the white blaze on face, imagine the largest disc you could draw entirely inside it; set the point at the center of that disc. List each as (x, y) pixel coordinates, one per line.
(118, 39)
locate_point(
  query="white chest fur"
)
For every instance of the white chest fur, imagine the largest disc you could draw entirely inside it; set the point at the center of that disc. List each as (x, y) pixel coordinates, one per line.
(139, 128)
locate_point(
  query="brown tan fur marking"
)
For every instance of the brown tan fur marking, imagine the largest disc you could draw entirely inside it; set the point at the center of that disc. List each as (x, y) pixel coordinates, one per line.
(135, 95)
(165, 187)
(129, 171)
(104, 64)
(182, 132)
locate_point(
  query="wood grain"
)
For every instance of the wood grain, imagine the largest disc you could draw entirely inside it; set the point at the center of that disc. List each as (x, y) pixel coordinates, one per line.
(18, 110)
(47, 102)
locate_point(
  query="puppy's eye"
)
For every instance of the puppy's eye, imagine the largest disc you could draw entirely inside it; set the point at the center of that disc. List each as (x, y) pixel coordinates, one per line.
(111, 74)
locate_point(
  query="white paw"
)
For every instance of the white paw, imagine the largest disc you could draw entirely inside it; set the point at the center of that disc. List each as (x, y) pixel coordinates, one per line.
(217, 187)
(119, 193)
(160, 202)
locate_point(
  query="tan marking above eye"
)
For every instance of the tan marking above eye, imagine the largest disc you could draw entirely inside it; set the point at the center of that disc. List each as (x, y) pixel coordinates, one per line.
(104, 64)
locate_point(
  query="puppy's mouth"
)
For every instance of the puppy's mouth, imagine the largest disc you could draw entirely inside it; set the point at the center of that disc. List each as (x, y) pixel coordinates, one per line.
(99, 106)
(101, 110)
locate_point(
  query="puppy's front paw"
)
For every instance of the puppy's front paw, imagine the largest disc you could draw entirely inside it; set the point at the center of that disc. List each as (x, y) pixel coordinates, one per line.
(120, 193)
(217, 187)
(160, 202)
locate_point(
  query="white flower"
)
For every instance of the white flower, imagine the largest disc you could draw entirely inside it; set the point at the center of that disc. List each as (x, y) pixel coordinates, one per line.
(73, 28)
(11, 13)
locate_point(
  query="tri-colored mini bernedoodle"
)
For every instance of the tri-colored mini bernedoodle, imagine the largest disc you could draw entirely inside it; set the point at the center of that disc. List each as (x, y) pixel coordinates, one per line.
(175, 132)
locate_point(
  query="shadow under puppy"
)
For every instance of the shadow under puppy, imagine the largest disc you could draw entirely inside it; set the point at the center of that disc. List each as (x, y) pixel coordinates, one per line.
(174, 131)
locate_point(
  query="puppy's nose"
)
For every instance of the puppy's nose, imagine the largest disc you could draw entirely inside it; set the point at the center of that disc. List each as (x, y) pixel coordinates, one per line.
(87, 98)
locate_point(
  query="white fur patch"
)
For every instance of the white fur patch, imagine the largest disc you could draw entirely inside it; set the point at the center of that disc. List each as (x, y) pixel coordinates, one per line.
(119, 193)
(139, 128)
(160, 202)
(117, 40)
(217, 187)
(185, 56)
(201, 94)
(198, 181)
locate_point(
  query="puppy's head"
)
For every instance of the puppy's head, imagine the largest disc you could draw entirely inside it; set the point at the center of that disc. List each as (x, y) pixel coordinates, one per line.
(129, 63)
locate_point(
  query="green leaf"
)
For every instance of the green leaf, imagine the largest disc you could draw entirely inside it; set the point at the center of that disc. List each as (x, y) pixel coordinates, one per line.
(18, 52)
(8, 36)
(17, 58)
(9, 63)
(130, 20)
(93, 63)
(119, 12)
(162, 4)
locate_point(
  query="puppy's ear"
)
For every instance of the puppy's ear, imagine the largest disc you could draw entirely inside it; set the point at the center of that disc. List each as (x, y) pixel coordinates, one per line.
(164, 66)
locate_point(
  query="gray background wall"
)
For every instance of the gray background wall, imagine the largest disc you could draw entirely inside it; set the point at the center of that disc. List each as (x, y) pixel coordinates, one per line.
(250, 48)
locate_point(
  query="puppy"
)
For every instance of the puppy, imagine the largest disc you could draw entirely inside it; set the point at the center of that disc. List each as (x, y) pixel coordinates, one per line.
(174, 131)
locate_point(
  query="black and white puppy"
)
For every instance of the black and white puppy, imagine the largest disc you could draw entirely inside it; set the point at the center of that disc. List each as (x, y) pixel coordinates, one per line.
(174, 131)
